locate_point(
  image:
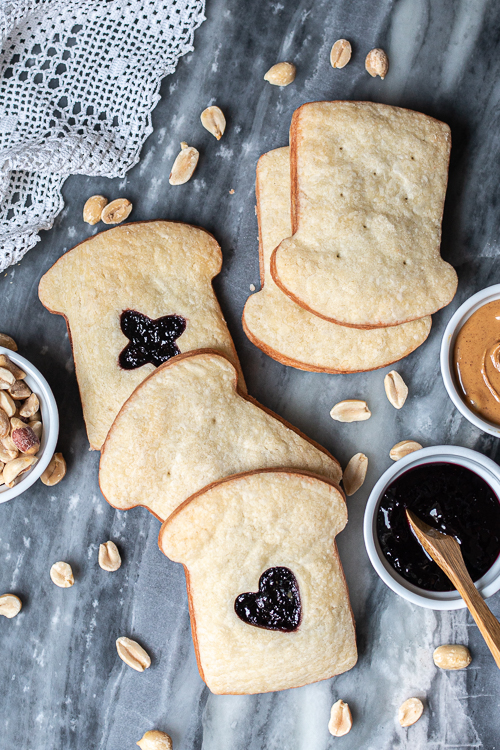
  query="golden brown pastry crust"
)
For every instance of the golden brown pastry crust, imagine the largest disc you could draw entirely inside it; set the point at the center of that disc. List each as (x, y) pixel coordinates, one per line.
(157, 268)
(225, 536)
(369, 258)
(284, 330)
(188, 424)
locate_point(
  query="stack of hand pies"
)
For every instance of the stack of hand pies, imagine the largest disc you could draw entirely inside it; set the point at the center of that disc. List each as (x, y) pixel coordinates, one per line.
(350, 227)
(350, 223)
(249, 505)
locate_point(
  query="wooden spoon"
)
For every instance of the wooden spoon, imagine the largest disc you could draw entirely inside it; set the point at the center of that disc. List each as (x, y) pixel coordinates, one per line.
(445, 551)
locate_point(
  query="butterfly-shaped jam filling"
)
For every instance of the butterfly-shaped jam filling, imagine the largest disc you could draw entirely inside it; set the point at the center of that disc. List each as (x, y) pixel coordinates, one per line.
(150, 340)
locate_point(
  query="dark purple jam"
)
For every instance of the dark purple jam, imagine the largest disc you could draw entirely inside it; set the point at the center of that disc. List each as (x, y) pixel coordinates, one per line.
(451, 499)
(276, 605)
(150, 340)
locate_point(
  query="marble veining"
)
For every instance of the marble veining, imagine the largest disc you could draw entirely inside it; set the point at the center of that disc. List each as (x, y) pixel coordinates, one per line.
(62, 686)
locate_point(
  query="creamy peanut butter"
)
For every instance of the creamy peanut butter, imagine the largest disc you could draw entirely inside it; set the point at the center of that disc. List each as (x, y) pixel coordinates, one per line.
(477, 361)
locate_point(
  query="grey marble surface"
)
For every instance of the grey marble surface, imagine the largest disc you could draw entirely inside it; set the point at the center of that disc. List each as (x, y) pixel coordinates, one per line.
(62, 685)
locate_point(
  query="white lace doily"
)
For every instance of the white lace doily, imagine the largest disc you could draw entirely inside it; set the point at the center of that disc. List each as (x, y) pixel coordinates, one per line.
(78, 82)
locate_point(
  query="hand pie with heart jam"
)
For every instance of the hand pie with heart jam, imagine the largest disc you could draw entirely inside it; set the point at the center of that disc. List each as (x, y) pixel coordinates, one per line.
(268, 601)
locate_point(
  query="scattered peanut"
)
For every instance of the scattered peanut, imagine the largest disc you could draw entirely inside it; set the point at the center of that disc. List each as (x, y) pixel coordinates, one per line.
(30, 406)
(109, 557)
(8, 342)
(16, 467)
(281, 74)
(155, 740)
(93, 208)
(55, 471)
(410, 712)
(133, 654)
(351, 410)
(452, 657)
(396, 389)
(184, 165)
(341, 53)
(116, 211)
(10, 605)
(355, 473)
(340, 719)
(377, 63)
(402, 449)
(213, 120)
(62, 575)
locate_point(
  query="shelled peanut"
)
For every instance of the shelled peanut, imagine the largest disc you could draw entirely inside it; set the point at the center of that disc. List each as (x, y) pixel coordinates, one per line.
(55, 471)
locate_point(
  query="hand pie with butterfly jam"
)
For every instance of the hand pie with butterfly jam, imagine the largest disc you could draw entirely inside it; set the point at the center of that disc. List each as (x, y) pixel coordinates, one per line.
(268, 600)
(134, 297)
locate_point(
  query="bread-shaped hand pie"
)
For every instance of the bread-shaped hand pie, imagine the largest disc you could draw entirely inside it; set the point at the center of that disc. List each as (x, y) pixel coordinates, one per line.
(268, 600)
(288, 332)
(368, 189)
(188, 425)
(133, 297)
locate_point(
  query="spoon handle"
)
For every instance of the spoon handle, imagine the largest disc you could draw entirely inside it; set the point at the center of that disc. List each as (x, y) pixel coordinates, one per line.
(483, 617)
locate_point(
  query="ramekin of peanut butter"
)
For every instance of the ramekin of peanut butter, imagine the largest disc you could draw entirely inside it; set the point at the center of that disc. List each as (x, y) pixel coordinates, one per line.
(470, 359)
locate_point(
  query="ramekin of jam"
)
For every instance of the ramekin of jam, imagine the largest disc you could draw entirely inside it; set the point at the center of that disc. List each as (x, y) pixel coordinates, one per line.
(470, 359)
(455, 490)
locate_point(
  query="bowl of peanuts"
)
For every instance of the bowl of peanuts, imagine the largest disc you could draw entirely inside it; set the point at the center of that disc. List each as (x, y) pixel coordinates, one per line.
(29, 426)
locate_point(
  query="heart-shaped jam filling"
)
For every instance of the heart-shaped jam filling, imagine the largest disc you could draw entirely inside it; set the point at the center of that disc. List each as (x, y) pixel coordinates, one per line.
(276, 605)
(150, 340)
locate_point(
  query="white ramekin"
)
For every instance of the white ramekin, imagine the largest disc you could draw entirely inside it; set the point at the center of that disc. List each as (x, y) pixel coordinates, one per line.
(486, 468)
(447, 348)
(50, 422)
